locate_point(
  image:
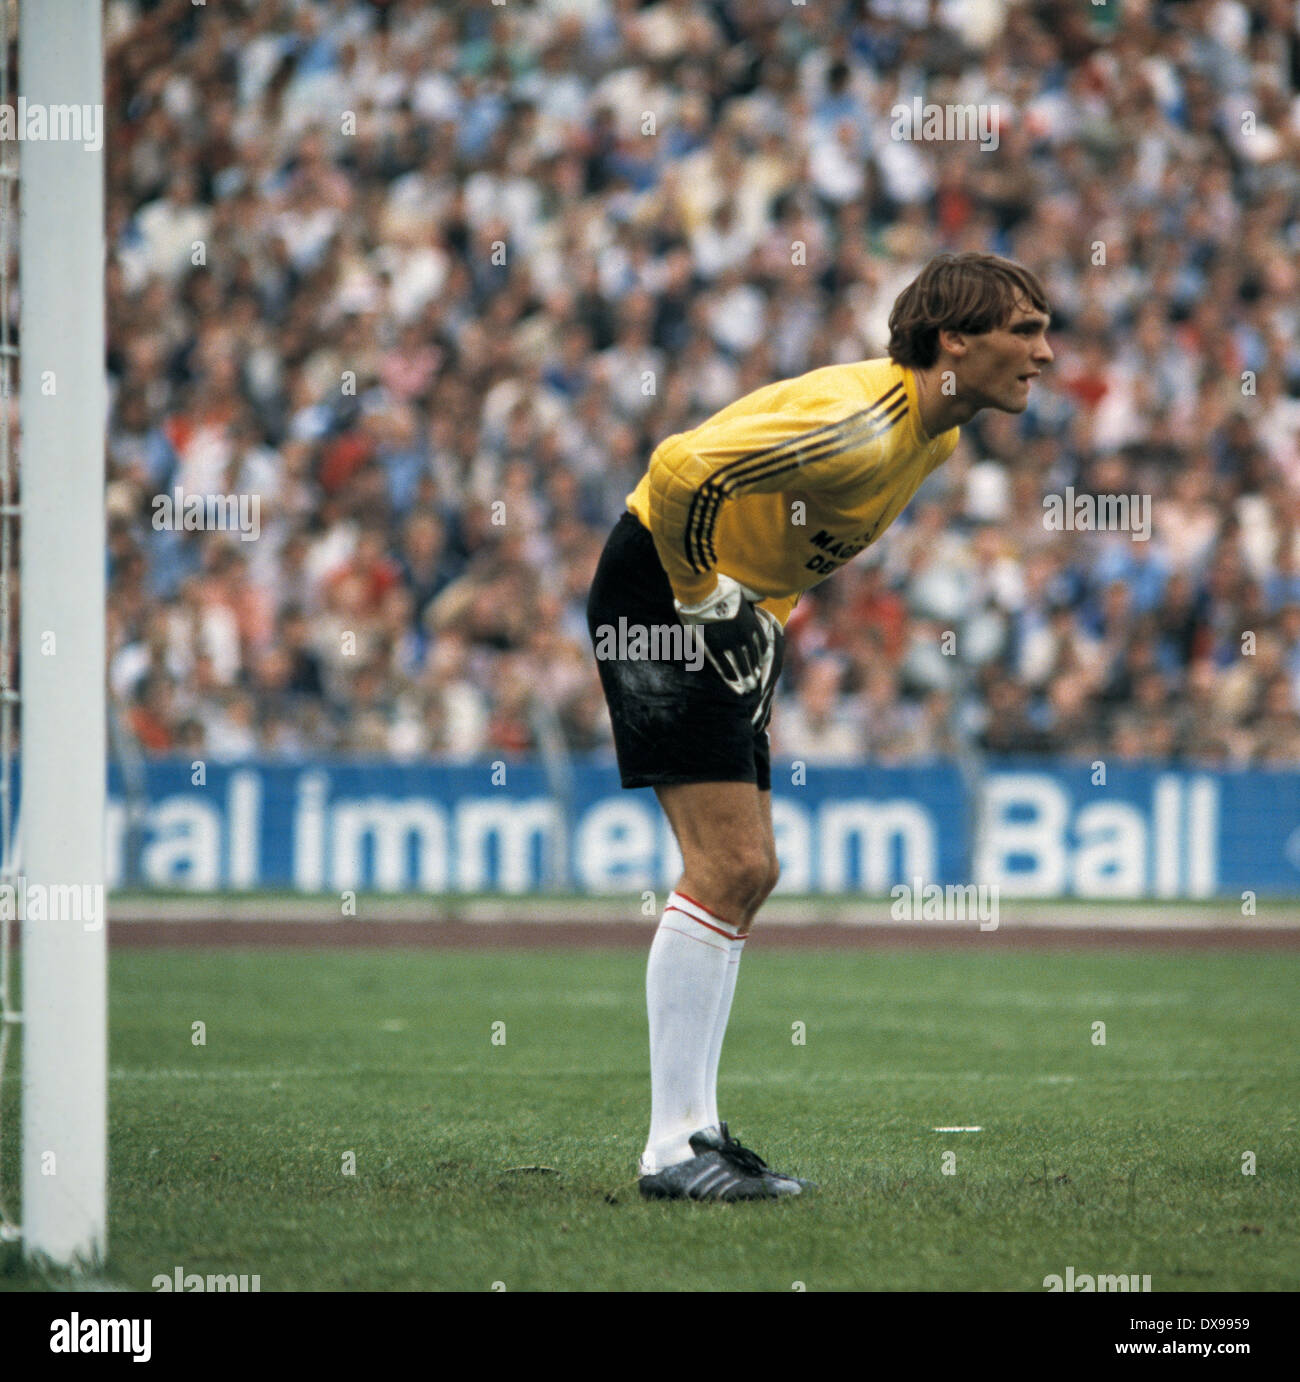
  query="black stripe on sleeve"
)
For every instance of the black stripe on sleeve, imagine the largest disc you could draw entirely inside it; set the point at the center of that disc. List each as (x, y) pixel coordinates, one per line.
(818, 444)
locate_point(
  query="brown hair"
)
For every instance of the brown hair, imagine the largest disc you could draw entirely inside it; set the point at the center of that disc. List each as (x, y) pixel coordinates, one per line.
(958, 292)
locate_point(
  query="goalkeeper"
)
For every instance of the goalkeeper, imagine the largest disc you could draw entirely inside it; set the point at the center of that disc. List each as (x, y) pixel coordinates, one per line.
(731, 522)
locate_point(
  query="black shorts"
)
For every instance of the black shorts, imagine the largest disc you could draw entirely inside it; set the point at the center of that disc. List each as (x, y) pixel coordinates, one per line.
(674, 718)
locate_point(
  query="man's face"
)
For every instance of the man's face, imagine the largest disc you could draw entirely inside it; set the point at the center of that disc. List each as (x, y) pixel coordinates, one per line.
(994, 368)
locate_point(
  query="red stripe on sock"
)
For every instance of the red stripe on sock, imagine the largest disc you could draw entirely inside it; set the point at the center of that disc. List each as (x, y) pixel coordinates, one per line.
(731, 936)
(703, 908)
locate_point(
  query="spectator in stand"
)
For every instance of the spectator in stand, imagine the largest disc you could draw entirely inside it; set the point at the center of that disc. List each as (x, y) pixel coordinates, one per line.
(423, 280)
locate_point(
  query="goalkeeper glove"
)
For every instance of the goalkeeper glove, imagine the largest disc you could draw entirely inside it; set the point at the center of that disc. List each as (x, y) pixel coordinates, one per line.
(739, 638)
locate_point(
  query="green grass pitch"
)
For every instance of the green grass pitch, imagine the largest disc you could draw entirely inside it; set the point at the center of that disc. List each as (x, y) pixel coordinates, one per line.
(1119, 1158)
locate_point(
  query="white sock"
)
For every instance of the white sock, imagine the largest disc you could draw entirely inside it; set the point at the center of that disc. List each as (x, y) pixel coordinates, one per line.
(720, 1029)
(685, 981)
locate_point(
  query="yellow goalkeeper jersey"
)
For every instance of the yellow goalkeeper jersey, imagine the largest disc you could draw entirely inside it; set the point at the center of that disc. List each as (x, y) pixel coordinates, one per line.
(783, 486)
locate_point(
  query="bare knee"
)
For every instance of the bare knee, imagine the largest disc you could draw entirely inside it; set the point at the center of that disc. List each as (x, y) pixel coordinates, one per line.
(724, 830)
(732, 884)
(740, 884)
(771, 876)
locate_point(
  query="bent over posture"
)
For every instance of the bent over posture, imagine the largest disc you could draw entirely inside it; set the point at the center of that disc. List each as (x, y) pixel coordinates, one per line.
(709, 542)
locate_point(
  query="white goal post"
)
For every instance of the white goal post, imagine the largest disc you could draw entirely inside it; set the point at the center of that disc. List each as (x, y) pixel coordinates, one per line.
(63, 406)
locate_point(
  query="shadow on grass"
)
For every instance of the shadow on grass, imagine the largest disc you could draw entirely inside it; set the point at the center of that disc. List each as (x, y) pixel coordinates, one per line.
(19, 1274)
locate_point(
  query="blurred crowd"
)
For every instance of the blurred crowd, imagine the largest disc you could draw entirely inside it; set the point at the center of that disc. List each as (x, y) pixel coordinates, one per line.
(432, 282)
